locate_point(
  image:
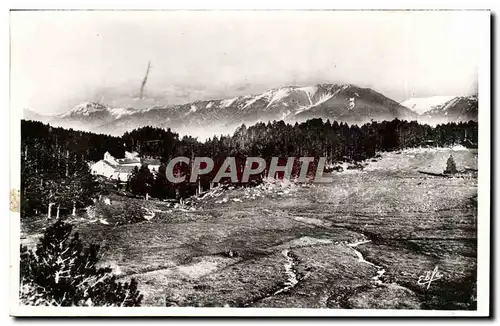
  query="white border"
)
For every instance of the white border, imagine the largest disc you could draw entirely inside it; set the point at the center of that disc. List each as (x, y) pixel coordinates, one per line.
(235, 312)
(484, 173)
(256, 4)
(483, 194)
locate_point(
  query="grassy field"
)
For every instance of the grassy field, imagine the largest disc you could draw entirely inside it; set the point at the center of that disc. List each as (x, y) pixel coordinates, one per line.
(241, 247)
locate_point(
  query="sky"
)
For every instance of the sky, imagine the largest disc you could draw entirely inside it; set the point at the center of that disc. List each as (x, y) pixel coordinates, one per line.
(62, 58)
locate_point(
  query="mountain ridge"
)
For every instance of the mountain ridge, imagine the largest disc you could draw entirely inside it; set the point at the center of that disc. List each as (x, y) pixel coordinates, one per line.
(442, 109)
(343, 102)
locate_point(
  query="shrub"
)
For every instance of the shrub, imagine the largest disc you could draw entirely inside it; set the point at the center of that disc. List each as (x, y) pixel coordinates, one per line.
(451, 167)
(61, 272)
(355, 166)
(120, 214)
(338, 168)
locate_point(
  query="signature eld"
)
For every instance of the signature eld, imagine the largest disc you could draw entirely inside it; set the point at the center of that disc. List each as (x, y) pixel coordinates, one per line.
(429, 277)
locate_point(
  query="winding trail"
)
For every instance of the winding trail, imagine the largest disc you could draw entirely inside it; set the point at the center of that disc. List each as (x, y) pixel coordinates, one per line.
(291, 281)
(289, 271)
(361, 259)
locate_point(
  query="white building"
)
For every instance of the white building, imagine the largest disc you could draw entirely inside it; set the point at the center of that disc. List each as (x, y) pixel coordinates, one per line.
(103, 168)
(117, 169)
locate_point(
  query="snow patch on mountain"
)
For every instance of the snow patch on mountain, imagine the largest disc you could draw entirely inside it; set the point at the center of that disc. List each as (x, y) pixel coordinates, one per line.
(85, 109)
(192, 109)
(120, 112)
(254, 99)
(227, 102)
(209, 105)
(278, 95)
(310, 91)
(450, 103)
(322, 99)
(421, 105)
(352, 103)
(325, 97)
(285, 114)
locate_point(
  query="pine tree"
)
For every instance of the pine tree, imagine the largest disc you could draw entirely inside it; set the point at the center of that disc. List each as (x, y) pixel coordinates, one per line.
(132, 179)
(161, 187)
(451, 167)
(141, 181)
(62, 272)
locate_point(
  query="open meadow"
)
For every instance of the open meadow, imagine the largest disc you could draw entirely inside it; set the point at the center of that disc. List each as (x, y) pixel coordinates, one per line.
(360, 241)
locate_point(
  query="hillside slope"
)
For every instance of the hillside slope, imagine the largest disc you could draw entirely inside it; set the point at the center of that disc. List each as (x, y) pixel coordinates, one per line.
(442, 109)
(348, 103)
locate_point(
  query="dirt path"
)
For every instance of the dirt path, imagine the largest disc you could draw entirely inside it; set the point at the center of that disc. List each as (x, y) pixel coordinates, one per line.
(290, 272)
(380, 271)
(360, 255)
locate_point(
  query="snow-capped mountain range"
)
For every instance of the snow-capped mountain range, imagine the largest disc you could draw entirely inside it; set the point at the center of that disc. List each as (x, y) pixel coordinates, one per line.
(423, 104)
(345, 102)
(88, 109)
(444, 108)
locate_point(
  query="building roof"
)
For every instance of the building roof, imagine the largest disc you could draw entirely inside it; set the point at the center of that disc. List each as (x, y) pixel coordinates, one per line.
(128, 160)
(151, 161)
(124, 169)
(105, 163)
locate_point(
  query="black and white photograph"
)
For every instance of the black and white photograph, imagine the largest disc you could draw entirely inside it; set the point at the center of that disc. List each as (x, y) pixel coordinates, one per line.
(257, 163)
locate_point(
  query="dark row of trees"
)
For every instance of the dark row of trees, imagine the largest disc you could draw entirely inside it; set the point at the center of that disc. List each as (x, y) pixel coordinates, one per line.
(55, 162)
(314, 138)
(55, 172)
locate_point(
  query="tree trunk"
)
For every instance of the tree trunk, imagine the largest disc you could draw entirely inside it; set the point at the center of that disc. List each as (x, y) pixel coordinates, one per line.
(57, 216)
(67, 158)
(49, 211)
(74, 209)
(147, 196)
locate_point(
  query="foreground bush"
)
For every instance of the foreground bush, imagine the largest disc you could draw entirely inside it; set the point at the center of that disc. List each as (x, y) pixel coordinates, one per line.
(61, 272)
(451, 167)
